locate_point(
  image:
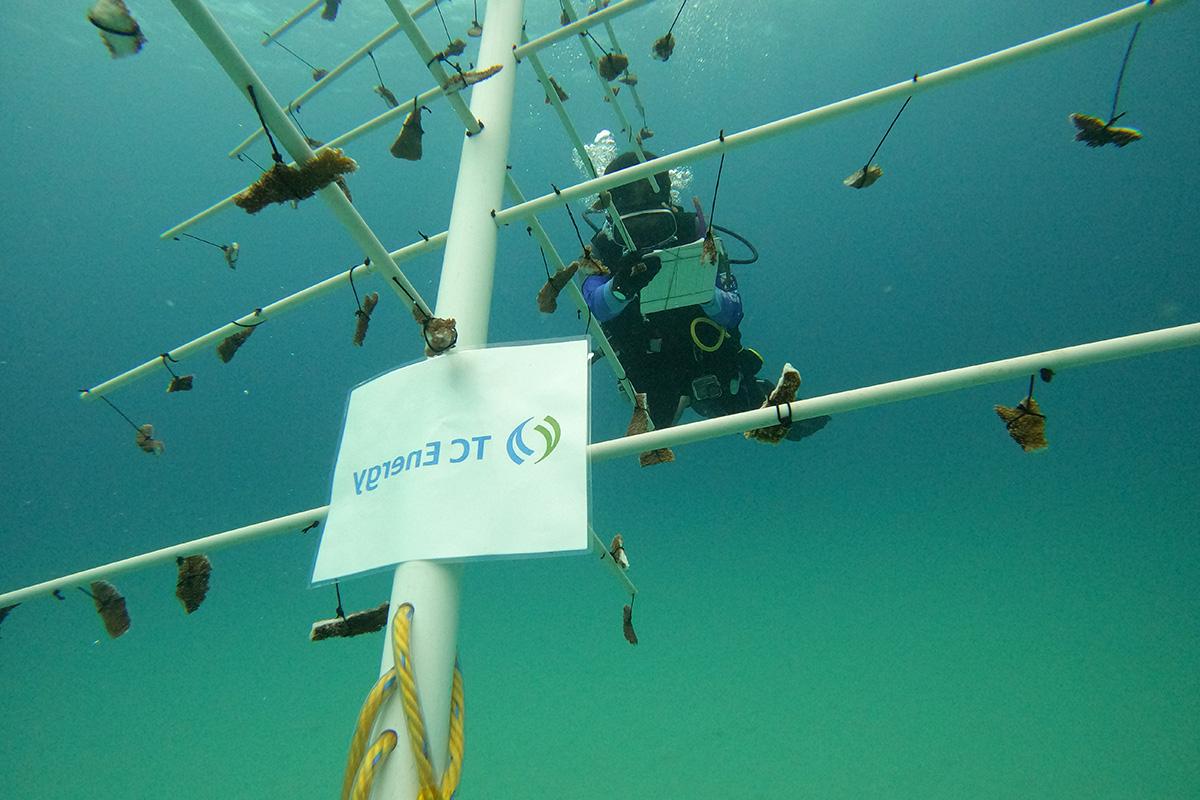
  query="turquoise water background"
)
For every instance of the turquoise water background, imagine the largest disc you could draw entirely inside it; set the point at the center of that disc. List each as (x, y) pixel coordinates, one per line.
(904, 606)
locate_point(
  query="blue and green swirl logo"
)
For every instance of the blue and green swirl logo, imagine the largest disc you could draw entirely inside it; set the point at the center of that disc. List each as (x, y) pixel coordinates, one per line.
(550, 431)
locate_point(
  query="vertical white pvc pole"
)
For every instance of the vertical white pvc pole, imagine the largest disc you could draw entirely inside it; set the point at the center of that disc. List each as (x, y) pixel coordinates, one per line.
(464, 293)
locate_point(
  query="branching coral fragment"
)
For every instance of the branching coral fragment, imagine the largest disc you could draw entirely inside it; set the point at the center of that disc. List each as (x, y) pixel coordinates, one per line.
(784, 392)
(191, 586)
(864, 177)
(282, 183)
(612, 65)
(363, 317)
(1026, 424)
(440, 334)
(1095, 132)
(547, 296)
(461, 80)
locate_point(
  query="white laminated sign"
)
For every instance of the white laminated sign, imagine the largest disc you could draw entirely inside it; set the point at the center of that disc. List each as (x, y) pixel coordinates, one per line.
(473, 454)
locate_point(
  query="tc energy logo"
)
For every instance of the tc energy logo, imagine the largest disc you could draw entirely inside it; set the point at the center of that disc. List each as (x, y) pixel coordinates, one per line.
(550, 433)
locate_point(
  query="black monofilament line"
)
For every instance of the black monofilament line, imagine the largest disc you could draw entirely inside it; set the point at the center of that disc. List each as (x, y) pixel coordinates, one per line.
(356, 300)
(274, 150)
(889, 130)
(574, 224)
(712, 211)
(285, 47)
(339, 611)
(438, 7)
(165, 357)
(252, 161)
(593, 38)
(198, 239)
(119, 411)
(296, 120)
(377, 74)
(1030, 395)
(1121, 76)
(545, 264)
(475, 7)
(677, 13)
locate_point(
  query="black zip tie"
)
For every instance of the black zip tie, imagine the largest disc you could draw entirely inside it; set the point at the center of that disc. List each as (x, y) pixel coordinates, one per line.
(425, 325)
(165, 358)
(1121, 76)
(257, 311)
(356, 300)
(114, 408)
(310, 526)
(58, 595)
(85, 591)
(677, 13)
(712, 210)
(438, 7)
(889, 130)
(198, 239)
(422, 235)
(253, 99)
(787, 423)
(285, 47)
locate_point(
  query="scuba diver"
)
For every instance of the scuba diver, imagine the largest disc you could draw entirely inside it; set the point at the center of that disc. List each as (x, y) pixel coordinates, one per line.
(679, 354)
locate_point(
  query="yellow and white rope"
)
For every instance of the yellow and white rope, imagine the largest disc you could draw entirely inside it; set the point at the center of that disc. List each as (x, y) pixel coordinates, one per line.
(371, 763)
(361, 769)
(362, 730)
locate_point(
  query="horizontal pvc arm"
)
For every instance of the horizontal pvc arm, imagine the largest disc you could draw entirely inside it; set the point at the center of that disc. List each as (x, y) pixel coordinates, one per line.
(578, 27)
(826, 113)
(292, 523)
(299, 15)
(906, 389)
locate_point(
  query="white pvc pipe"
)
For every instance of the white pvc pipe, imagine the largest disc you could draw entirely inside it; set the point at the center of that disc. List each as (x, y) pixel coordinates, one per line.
(465, 293)
(906, 389)
(911, 86)
(240, 72)
(292, 523)
(299, 15)
(578, 27)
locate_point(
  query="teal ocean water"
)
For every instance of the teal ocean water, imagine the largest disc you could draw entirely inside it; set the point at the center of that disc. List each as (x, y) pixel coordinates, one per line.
(903, 606)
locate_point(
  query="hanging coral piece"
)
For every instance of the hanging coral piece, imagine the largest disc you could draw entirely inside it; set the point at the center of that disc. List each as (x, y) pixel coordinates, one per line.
(562, 96)
(118, 29)
(627, 625)
(191, 587)
(408, 143)
(784, 392)
(864, 177)
(629, 79)
(461, 80)
(1096, 133)
(331, 10)
(547, 296)
(475, 30)
(640, 423)
(1026, 424)
(362, 317)
(231, 252)
(588, 264)
(708, 251)
(455, 48)
(617, 551)
(358, 623)
(281, 183)
(612, 65)
(663, 47)
(230, 344)
(645, 133)
(315, 144)
(144, 438)
(110, 605)
(180, 383)
(440, 334)
(387, 96)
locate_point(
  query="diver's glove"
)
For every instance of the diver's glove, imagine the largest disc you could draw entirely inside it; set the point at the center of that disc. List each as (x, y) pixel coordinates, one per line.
(633, 272)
